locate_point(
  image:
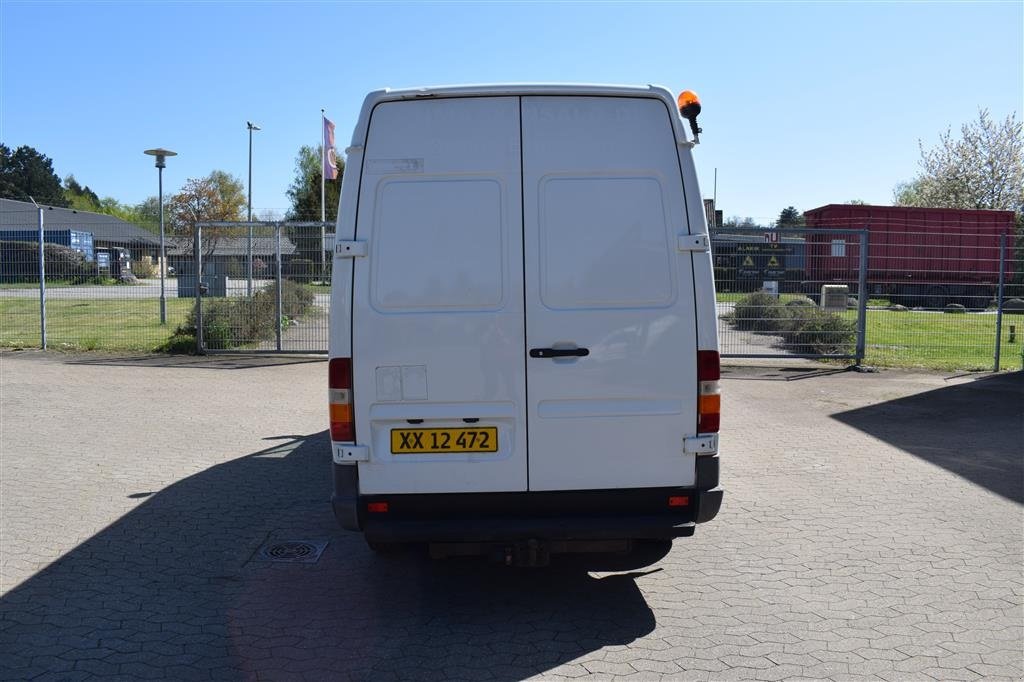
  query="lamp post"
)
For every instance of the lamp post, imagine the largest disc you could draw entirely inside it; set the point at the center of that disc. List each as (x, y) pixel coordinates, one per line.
(161, 155)
(248, 250)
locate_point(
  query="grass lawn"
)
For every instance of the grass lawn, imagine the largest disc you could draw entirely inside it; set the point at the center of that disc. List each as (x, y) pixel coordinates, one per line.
(894, 339)
(91, 324)
(939, 340)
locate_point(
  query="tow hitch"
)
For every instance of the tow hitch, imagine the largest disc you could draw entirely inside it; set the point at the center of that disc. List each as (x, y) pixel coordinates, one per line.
(530, 553)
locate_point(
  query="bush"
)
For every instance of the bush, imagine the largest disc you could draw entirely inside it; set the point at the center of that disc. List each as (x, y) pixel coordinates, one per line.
(144, 268)
(954, 308)
(239, 321)
(815, 331)
(19, 262)
(1014, 306)
(759, 312)
(182, 341)
(296, 299)
(804, 327)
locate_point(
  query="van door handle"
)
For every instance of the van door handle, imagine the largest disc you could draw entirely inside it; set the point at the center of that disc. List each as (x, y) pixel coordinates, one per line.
(559, 352)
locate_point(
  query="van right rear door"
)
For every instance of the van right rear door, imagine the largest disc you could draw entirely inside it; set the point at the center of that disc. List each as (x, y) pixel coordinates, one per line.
(610, 321)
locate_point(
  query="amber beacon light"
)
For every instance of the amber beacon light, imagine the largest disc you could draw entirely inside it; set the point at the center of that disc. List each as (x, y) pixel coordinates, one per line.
(689, 107)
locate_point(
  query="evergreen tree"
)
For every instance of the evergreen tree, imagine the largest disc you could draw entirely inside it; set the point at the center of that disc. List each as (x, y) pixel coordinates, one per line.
(26, 173)
(304, 193)
(790, 217)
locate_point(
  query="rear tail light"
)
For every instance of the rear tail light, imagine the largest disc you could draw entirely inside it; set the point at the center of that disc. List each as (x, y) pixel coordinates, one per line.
(709, 399)
(377, 507)
(679, 501)
(339, 382)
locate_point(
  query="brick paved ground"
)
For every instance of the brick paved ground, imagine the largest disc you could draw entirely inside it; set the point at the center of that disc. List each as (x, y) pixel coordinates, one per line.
(871, 530)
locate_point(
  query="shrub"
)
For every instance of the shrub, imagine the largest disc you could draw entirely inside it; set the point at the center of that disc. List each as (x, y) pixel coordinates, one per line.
(954, 308)
(19, 262)
(815, 331)
(296, 299)
(1013, 305)
(239, 321)
(759, 312)
(801, 301)
(182, 341)
(144, 268)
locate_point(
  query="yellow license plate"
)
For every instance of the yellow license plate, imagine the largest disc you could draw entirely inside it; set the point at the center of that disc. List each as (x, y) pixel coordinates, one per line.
(418, 441)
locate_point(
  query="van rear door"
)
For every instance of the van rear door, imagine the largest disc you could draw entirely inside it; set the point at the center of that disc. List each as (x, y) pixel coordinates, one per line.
(604, 206)
(438, 323)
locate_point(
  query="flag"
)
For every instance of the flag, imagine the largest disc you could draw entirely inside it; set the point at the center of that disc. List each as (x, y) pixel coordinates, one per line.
(330, 160)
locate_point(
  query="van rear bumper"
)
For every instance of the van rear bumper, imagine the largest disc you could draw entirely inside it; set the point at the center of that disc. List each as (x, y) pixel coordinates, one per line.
(629, 514)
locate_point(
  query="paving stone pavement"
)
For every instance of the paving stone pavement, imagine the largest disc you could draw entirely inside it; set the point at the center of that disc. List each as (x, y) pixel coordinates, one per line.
(872, 529)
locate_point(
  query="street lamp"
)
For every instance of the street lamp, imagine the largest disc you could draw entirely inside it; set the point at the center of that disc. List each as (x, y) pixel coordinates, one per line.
(251, 126)
(161, 155)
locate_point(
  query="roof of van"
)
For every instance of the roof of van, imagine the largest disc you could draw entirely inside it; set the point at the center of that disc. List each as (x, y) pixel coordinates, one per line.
(504, 89)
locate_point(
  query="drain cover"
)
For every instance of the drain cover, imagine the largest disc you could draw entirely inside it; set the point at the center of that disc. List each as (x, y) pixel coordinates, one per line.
(295, 551)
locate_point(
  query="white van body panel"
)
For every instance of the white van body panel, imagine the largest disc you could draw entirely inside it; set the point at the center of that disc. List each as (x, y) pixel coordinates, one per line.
(438, 301)
(603, 210)
(499, 219)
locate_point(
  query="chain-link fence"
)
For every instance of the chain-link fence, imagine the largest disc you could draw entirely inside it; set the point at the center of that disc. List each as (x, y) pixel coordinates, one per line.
(935, 298)
(265, 286)
(102, 284)
(102, 287)
(912, 297)
(770, 306)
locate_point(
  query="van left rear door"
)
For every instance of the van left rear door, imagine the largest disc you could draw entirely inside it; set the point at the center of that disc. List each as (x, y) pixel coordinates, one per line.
(438, 325)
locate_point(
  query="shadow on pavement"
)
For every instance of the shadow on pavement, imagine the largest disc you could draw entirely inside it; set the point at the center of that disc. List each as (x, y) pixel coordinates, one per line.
(767, 373)
(176, 589)
(973, 429)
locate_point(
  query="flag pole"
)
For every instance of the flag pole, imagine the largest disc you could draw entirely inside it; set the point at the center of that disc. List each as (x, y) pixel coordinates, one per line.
(323, 194)
(323, 167)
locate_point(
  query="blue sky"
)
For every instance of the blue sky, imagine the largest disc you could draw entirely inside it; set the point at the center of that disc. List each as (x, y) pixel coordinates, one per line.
(804, 103)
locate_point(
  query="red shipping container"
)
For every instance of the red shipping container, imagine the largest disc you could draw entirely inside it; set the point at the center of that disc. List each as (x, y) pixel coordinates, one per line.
(924, 255)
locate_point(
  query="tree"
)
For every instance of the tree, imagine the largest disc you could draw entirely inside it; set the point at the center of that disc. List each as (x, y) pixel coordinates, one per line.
(982, 169)
(26, 173)
(80, 198)
(790, 217)
(217, 197)
(735, 221)
(304, 193)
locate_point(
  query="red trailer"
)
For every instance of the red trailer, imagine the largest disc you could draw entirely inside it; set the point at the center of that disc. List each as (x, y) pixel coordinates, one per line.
(916, 256)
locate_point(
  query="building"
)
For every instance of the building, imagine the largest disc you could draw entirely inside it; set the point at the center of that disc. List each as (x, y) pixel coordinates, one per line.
(107, 231)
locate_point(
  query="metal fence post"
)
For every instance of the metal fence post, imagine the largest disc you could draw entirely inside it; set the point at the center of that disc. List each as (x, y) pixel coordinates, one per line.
(862, 298)
(999, 299)
(198, 262)
(42, 278)
(280, 292)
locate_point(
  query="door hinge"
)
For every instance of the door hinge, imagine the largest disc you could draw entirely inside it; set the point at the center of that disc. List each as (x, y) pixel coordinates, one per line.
(349, 249)
(692, 242)
(346, 454)
(706, 444)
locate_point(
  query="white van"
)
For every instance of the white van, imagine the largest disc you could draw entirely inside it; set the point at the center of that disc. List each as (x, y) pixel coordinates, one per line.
(523, 349)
